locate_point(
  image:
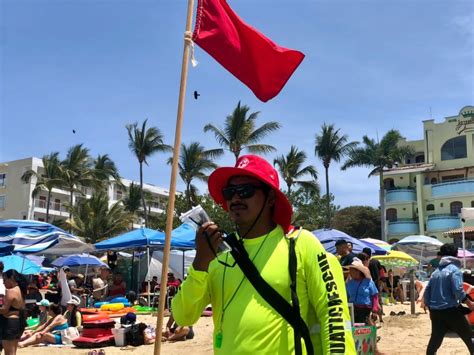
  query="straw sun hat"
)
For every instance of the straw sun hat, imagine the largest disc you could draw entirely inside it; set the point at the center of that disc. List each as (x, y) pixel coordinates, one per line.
(358, 265)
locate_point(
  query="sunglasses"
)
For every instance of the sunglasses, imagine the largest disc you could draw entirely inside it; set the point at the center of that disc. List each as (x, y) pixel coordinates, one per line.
(243, 191)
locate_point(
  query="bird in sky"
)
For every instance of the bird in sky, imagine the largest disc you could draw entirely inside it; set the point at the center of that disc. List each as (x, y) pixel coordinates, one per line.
(74, 131)
(196, 95)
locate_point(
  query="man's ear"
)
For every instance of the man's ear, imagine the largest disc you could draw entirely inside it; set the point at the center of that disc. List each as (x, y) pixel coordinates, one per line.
(271, 198)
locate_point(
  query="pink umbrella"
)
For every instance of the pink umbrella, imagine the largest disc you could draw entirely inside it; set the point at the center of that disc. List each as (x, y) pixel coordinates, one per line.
(465, 254)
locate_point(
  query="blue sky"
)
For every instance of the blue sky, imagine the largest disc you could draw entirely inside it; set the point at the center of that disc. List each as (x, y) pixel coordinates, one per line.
(94, 66)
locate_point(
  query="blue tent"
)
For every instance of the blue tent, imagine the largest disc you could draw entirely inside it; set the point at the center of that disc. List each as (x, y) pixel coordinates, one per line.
(329, 237)
(78, 260)
(181, 238)
(33, 236)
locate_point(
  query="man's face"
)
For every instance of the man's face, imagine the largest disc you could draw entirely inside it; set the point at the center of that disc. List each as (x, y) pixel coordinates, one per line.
(244, 211)
(104, 273)
(341, 249)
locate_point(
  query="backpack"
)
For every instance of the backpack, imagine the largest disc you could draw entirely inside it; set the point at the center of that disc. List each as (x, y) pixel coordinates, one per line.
(135, 336)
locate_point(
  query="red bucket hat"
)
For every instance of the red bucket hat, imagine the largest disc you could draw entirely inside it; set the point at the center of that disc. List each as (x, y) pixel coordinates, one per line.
(259, 168)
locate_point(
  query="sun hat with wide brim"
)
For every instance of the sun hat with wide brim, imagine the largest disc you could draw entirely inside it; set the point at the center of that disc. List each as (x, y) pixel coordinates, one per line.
(256, 167)
(358, 265)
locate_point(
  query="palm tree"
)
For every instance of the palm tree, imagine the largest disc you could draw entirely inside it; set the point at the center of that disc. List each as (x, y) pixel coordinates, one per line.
(94, 220)
(46, 181)
(240, 133)
(379, 155)
(132, 201)
(291, 169)
(105, 170)
(331, 146)
(76, 171)
(144, 142)
(194, 162)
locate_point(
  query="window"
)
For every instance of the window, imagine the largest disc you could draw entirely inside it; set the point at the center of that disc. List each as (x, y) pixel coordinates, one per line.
(472, 203)
(420, 158)
(57, 204)
(456, 208)
(454, 148)
(430, 207)
(453, 177)
(2, 201)
(388, 184)
(3, 180)
(391, 214)
(434, 181)
(42, 202)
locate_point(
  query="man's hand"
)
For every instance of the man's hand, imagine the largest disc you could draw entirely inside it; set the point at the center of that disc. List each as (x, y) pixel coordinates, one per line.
(207, 234)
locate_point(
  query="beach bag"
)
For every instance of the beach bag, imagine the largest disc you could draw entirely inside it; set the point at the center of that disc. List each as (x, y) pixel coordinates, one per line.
(134, 336)
(69, 334)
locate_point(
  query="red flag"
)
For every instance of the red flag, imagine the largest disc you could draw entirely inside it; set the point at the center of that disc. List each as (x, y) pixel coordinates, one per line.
(251, 57)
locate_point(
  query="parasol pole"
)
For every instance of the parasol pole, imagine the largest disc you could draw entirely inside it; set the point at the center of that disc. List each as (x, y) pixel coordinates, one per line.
(174, 171)
(148, 273)
(463, 243)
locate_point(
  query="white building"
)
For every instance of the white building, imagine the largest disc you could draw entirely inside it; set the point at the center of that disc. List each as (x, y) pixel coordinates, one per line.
(16, 201)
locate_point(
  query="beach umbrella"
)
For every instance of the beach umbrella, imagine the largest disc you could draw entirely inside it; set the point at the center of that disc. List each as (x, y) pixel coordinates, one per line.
(396, 258)
(40, 237)
(20, 263)
(465, 254)
(6, 248)
(329, 237)
(377, 242)
(420, 247)
(78, 260)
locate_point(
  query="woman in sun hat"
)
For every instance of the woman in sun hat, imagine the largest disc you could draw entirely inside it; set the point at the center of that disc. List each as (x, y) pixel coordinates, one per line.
(362, 292)
(244, 322)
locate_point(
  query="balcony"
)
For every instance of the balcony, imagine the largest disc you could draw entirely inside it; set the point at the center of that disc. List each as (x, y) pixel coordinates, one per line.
(442, 222)
(55, 208)
(403, 226)
(456, 187)
(400, 195)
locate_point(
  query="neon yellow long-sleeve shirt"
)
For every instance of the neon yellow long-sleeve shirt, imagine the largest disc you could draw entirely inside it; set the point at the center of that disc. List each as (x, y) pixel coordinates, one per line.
(250, 324)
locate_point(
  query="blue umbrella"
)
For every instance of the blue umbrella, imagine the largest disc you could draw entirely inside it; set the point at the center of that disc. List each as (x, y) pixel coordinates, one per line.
(329, 237)
(20, 264)
(78, 260)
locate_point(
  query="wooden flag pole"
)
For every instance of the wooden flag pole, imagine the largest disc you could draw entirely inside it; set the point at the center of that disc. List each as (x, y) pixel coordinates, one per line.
(174, 173)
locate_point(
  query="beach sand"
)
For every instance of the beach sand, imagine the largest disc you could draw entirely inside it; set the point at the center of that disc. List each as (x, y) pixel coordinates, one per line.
(405, 334)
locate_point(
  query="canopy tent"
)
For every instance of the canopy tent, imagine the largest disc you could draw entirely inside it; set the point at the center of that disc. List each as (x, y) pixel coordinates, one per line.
(78, 260)
(465, 254)
(20, 263)
(377, 242)
(329, 237)
(420, 247)
(39, 237)
(179, 263)
(181, 238)
(396, 258)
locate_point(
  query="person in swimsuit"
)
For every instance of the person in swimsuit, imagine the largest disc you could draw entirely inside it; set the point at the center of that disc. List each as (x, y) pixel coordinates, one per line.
(12, 314)
(50, 332)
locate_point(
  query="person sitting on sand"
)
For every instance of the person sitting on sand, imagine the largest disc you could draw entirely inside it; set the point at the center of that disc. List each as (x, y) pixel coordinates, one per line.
(50, 332)
(43, 318)
(72, 314)
(362, 292)
(176, 333)
(118, 287)
(393, 287)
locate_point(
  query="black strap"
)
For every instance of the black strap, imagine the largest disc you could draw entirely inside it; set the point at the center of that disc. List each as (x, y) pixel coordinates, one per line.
(290, 313)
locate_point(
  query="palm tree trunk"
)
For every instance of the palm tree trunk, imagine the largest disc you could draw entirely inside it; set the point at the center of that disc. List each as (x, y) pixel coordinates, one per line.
(47, 206)
(188, 195)
(289, 189)
(71, 196)
(382, 206)
(143, 195)
(328, 200)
